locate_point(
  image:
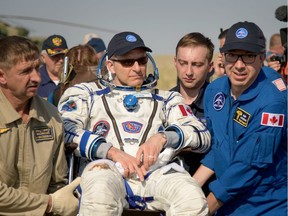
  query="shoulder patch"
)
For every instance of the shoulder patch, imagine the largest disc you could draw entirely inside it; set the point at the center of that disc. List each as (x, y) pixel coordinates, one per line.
(185, 110)
(69, 106)
(101, 128)
(219, 101)
(272, 119)
(279, 83)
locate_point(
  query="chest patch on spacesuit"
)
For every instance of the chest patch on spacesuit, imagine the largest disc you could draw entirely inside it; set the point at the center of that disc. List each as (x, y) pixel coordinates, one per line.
(273, 120)
(132, 126)
(101, 128)
(43, 134)
(242, 117)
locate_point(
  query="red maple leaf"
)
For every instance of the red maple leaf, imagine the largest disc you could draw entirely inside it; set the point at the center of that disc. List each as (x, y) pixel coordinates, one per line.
(273, 120)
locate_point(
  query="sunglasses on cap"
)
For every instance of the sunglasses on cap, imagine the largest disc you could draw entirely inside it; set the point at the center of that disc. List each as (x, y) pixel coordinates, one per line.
(130, 62)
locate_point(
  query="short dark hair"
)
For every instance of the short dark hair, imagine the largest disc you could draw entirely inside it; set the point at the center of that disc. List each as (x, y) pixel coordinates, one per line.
(222, 34)
(16, 48)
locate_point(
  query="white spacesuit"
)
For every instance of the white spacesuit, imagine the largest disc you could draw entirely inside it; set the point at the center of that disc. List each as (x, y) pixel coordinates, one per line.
(97, 117)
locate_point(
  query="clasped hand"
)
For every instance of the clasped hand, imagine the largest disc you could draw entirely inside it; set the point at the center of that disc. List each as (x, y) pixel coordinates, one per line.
(146, 156)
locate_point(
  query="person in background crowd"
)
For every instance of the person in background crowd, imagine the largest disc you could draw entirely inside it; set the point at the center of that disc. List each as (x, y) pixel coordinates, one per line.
(32, 159)
(193, 61)
(54, 49)
(246, 113)
(135, 130)
(218, 66)
(81, 67)
(99, 46)
(87, 37)
(276, 56)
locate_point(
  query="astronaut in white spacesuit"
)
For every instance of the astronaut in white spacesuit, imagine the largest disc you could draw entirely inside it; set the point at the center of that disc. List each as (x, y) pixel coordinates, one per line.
(132, 132)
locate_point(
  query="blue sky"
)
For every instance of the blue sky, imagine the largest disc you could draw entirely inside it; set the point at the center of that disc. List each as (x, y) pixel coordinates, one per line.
(161, 23)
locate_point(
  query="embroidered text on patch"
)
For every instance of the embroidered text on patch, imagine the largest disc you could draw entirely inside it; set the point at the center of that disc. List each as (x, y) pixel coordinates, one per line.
(43, 134)
(242, 117)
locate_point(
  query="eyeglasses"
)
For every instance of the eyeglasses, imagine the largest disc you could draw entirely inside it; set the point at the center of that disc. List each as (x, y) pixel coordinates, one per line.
(246, 58)
(130, 62)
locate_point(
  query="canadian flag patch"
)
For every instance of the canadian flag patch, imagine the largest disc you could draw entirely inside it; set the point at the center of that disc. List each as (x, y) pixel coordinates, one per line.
(185, 110)
(273, 120)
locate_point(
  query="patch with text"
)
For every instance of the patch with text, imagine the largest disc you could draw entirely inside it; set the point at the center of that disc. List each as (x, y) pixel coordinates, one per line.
(242, 117)
(43, 134)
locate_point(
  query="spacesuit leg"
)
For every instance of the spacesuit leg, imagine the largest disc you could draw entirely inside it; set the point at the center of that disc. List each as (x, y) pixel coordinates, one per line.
(103, 190)
(176, 193)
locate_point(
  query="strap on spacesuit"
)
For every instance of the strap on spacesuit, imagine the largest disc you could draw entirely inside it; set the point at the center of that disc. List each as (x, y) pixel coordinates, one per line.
(151, 117)
(136, 202)
(116, 130)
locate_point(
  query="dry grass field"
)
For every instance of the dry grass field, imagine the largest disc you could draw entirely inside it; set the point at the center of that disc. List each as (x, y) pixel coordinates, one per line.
(167, 71)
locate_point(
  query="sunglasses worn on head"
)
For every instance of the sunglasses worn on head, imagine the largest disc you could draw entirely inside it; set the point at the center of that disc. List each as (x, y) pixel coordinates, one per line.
(130, 62)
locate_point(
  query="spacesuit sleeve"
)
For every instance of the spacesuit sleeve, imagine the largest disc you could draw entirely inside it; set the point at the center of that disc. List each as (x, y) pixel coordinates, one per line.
(179, 118)
(75, 106)
(255, 156)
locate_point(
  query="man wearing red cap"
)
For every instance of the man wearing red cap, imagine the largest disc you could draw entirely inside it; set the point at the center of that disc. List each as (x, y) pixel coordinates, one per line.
(246, 113)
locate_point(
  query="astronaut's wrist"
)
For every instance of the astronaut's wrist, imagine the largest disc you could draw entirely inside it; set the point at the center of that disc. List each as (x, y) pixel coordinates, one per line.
(163, 138)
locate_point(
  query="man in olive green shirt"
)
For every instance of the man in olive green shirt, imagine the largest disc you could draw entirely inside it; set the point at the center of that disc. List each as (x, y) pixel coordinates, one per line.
(32, 158)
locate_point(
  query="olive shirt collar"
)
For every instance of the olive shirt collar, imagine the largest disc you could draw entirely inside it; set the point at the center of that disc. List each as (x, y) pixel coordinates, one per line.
(9, 114)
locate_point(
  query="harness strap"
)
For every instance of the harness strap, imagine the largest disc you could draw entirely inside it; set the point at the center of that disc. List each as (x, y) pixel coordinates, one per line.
(151, 117)
(136, 202)
(116, 130)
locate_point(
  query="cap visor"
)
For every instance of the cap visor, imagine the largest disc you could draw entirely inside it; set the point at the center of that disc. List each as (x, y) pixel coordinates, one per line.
(242, 46)
(128, 49)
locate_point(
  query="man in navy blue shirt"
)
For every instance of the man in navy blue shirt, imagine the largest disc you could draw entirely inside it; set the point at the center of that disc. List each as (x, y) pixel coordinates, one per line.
(246, 114)
(52, 56)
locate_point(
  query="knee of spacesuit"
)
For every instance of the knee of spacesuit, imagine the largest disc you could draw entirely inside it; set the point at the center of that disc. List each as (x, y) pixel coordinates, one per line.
(179, 194)
(103, 190)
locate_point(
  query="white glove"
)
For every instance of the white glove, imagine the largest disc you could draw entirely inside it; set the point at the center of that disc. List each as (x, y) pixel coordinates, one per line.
(64, 202)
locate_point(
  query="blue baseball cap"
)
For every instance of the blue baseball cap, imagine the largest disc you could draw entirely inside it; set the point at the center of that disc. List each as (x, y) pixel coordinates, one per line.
(124, 42)
(98, 44)
(244, 36)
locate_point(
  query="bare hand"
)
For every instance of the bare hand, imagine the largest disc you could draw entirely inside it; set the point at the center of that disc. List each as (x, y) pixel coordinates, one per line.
(219, 69)
(128, 162)
(149, 151)
(273, 64)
